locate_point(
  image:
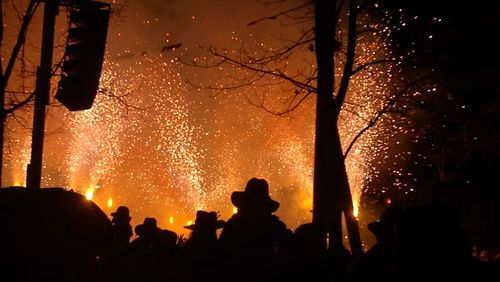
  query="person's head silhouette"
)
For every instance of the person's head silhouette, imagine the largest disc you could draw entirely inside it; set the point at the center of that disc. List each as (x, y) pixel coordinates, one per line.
(255, 198)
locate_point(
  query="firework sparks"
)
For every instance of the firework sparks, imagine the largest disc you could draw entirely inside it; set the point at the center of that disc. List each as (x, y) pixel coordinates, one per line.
(177, 150)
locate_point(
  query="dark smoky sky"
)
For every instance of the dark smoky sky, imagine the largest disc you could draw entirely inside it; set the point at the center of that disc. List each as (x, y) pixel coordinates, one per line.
(140, 26)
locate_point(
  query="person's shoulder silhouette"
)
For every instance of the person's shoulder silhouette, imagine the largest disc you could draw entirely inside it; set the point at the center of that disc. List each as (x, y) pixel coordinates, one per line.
(254, 223)
(429, 242)
(122, 230)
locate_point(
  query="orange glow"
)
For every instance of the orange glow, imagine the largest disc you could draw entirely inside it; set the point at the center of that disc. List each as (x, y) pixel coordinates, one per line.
(189, 152)
(355, 210)
(189, 222)
(307, 203)
(388, 201)
(89, 194)
(19, 183)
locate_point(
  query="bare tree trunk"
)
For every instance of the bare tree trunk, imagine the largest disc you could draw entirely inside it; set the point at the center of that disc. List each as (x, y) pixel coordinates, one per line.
(346, 197)
(2, 98)
(327, 210)
(332, 195)
(2, 127)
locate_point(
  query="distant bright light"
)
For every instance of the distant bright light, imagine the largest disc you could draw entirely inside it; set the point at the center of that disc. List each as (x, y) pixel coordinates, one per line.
(355, 210)
(110, 203)
(235, 210)
(171, 220)
(189, 222)
(89, 194)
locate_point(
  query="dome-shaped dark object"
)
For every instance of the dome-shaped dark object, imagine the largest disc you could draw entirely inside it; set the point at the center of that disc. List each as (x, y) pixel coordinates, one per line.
(50, 233)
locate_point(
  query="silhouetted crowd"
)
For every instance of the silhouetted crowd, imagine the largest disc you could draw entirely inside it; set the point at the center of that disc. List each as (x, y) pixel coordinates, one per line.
(420, 243)
(416, 244)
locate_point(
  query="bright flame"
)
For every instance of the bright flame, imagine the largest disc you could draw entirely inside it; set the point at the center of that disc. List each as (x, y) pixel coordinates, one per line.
(189, 222)
(171, 220)
(355, 210)
(89, 194)
(110, 203)
(235, 210)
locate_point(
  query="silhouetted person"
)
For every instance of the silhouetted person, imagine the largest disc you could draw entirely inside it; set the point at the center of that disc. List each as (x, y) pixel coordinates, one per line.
(146, 235)
(152, 251)
(311, 261)
(153, 240)
(384, 228)
(200, 249)
(379, 256)
(253, 235)
(165, 246)
(203, 239)
(429, 245)
(122, 230)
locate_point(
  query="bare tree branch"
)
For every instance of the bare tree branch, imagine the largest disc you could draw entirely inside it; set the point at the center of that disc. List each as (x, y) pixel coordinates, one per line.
(351, 54)
(290, 108)
(16, 106)
(275, 73)
(19, 42)
(275, 16)
(385, 109)
(228, 88)
(122, 99)
(376, 62)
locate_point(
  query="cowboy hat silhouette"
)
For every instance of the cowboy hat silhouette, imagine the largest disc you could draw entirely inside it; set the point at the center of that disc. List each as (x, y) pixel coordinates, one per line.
(206, 221)
(255, 197)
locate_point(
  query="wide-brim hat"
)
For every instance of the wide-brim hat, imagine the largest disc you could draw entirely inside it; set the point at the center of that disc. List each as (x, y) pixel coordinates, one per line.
(206, 221)
(375, 227)
(255, 197)
(148, 227)
(121, 212)
(387, 221)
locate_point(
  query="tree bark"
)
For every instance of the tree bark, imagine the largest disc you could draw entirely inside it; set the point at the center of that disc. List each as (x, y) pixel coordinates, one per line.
(331, 191)
(2, 98)
(327, 210)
